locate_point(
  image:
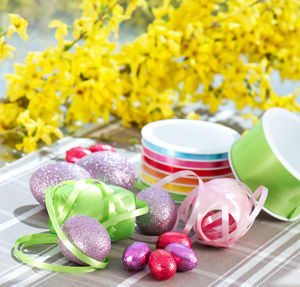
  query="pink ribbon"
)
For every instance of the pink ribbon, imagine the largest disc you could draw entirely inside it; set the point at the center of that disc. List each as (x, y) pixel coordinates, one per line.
(218, 211)
(221, 212)
(206, 173)
(185, 163)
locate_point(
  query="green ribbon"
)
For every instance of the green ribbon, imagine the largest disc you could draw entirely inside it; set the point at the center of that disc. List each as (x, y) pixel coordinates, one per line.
(255, 164)
(113, 206)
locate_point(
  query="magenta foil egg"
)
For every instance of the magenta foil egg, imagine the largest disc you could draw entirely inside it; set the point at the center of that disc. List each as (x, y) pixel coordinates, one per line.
(110, 167)
(53, 174)
(88, 235)
(186, 257)
(162, 211)
(135, 257)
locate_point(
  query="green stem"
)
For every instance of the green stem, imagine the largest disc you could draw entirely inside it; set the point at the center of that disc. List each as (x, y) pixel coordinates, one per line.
(83, 34)
(216, 23)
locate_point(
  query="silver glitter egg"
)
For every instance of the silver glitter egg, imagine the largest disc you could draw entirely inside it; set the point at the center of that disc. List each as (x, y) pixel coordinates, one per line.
(53, 174)
(162, 211)
(110, 167)
(88, 235)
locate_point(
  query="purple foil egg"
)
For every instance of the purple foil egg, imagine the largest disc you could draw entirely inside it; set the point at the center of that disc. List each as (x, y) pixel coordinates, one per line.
(135, 257)
(53, 174)
(162, 211)
(88, 235)
(186, 257)
(110, 167)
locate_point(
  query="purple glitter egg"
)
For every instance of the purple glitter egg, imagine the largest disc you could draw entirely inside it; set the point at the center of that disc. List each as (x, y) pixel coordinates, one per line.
(135, 257)
(162, 211)
(187, 257)
(53, 174)
(110, 167)
(88, 235)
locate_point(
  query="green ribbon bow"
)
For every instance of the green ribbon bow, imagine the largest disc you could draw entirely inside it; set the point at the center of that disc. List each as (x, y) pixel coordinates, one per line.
(113, 206)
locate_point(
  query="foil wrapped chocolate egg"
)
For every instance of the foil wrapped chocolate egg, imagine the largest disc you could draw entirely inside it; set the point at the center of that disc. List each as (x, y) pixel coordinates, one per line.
(162, 211)
(110, 167)
(88, 235)
(76, 153)
(102, 147)
(173, 237)
(162, 264)
(53, 174)
(187, 257)
(135, 257)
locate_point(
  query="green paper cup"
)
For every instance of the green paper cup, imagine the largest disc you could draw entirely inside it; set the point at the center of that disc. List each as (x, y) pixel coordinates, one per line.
(269, 155)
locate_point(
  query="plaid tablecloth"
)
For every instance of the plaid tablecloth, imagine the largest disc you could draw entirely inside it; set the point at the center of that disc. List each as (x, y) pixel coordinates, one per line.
(268, 255)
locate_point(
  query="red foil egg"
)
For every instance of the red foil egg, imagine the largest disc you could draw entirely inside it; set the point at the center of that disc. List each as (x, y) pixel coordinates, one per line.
(102, 147)
(173, 237)
(162, 264)
(76, 153)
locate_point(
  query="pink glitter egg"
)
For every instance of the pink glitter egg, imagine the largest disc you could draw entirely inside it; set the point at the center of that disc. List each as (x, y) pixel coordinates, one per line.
(110, 167)
(88, 235)
(53, 174)
(162, 211)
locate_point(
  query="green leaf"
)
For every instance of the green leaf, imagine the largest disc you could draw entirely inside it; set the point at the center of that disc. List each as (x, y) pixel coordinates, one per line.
(67, 47)
(134, 141)
(102, 9)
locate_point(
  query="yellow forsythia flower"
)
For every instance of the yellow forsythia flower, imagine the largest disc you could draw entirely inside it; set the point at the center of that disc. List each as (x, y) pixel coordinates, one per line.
(19, 25)
(61, 31)
(193, 116)
(5, 50)
(209, 51)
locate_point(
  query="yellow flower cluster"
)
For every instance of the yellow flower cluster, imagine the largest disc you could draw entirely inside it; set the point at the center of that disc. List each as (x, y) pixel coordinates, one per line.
(209, 51)
(17, 24)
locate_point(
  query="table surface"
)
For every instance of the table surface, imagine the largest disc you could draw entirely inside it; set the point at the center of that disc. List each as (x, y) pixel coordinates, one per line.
(268, 255)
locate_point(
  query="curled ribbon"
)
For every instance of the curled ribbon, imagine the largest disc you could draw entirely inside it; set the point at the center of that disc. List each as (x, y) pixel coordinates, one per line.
(117, 212)
(218, 211)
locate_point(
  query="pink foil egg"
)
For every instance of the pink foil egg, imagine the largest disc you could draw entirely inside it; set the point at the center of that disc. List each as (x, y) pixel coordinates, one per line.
(53, 174)
(173, 237)
(102, 147)
(162, 264)
(88, 235)
(76, 153)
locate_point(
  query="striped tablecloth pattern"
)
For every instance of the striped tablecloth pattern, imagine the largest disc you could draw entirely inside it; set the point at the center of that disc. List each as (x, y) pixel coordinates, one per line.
(268, 255)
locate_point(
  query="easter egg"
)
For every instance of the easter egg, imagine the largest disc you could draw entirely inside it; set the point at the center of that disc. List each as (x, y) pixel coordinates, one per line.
(187, 256)
(162, 211)
(102, 147)
(53, 174)
(173, 237)
(110, 167)
(88, 235)
(135, 257)
(76, 153)
(162, 264)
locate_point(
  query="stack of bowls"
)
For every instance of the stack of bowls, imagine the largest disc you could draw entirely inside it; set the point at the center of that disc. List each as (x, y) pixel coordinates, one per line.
(169, 146)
